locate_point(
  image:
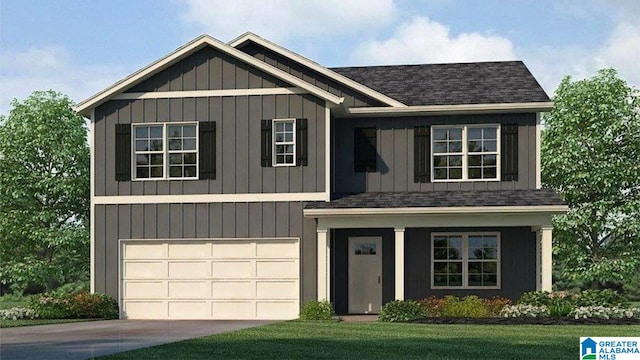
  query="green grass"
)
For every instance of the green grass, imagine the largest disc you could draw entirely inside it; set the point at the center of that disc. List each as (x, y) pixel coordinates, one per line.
(16, 323)
(328, 340)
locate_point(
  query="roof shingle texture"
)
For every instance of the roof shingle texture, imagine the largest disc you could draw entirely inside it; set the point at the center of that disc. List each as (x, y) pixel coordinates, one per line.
(451, 84)
(533, 197)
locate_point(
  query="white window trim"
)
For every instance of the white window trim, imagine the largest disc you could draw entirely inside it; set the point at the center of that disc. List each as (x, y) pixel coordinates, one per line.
(465, 153)
(165, 151)
(465, 259)
(273, 142)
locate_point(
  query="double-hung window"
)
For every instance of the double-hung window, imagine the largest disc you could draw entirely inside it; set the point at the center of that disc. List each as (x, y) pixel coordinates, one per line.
(469, 152)
(165, 151)
(465, 260)
(284, 142)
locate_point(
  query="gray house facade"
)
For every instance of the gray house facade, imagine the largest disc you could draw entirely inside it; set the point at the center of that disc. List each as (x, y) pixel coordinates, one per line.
(239, 180)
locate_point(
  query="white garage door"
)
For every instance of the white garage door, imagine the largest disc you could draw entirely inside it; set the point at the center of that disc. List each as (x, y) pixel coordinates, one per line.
(211, 279)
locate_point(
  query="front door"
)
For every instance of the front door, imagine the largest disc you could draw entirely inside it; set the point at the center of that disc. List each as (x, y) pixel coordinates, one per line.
(365, 275)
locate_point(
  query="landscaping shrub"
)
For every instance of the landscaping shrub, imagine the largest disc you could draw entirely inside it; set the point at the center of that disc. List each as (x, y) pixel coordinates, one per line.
(496, 304)
(524, 310)
(432, 306)
(560, 307)
(79, 305)
(604, 312)
(469, 306)
(316, 310)
(535, 298)
(606, 297)
(401, 310)
(17, 313)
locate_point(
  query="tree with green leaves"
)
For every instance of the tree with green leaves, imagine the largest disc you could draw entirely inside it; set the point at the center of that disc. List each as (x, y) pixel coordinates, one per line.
(44, 192)
(591, 154)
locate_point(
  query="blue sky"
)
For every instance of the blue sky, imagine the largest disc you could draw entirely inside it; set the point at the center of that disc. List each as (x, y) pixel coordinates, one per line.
(79, 47)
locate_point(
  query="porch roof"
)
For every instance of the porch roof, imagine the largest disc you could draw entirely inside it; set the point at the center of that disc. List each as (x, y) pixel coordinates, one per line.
(444, 199)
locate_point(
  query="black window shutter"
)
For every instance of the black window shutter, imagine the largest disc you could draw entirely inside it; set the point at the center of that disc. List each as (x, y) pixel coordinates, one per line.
(365, 150)
(509, 148)
(265, 143)
(123, 152)
(421, 154)
(301, 142)
(207, 149)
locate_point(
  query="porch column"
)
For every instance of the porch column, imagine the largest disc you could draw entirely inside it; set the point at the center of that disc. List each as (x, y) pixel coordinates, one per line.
(399, 270)
(323, 264)
(546, 267)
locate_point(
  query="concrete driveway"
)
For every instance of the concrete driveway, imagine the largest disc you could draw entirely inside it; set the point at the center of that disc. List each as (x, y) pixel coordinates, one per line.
(96, 338)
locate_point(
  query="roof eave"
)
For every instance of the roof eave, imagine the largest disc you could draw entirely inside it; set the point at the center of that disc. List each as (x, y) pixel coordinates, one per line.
(533, 209)
(449, 109)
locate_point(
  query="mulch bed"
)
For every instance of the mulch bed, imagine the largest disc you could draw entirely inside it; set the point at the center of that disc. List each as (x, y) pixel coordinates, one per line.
(527, 321)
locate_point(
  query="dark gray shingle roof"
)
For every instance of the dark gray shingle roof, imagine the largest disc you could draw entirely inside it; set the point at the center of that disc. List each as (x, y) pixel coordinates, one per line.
(443, 199)
(451, 84)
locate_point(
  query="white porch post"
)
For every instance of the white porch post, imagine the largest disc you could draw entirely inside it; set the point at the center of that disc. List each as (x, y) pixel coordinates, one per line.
(323, 264)
(546, 235)
(399, 268)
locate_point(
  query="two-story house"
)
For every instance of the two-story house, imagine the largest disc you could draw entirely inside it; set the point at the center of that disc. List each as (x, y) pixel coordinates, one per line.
(236, 181)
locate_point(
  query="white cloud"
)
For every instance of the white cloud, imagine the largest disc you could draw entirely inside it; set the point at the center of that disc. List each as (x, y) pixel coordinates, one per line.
(51, 67)
(280, 20)
(425, 41)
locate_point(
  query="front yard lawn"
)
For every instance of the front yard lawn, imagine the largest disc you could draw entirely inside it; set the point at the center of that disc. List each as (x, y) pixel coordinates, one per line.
(342, 340)
(15, 323)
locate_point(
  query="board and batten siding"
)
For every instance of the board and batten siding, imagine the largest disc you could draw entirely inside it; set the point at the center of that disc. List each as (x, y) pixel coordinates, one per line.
(238, 163)
(351, 98)
(200, 221)
(395, 167)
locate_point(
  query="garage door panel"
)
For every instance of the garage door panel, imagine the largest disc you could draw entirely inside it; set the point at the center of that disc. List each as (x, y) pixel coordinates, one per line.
(145, 251)
(189, 310)
(277, 269)
(189, 289)
(210, 279)
(232, 289)
(232, 269)
(145, 269)
(145, 309)
(233, 249)
(277, 289)
(234, 310)
(276, 310)
(145, 289)
(189, 269)
(190, 250)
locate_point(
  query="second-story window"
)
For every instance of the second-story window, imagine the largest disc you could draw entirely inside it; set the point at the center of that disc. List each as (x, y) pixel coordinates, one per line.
(284, 142)
(165, 151)
(465, 153)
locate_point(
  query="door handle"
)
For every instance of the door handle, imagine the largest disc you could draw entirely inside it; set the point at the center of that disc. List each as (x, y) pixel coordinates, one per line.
(379, 279)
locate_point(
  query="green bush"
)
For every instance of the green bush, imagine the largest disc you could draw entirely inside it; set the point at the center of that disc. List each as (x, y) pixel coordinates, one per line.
(469, 306)
(81, 305)
(606, 297)
(535, 298)
(316, 310)
(401, 310)
(496, 304)
(432, 306)
(560, 307)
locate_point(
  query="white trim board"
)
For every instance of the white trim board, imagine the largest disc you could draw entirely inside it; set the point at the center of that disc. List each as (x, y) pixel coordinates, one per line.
(545, 209)
(186, 50)
(92, 208)
(208, 93)
(210, 198)
(249, 36)
(447, 109)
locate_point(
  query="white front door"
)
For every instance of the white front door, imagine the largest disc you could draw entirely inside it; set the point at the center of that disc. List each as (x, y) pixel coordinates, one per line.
(365, 275)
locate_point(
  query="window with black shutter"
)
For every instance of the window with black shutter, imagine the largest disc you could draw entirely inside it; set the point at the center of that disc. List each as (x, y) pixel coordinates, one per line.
(509, 145)
(421, 154)
(365, 150)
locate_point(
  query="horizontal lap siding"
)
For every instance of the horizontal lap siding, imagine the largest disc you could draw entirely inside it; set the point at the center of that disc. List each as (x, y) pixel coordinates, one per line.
(395, 154)
(193, 221)
(237, 146)
(351, 98)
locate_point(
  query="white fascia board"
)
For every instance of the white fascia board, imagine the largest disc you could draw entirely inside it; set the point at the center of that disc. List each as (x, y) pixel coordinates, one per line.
(248, 36)
(208, 93)
(546, 209)
(210, 198)
(194, 45)
(448, 109)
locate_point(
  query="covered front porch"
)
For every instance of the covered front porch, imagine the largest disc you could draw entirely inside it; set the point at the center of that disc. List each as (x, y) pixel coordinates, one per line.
(368, 256)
